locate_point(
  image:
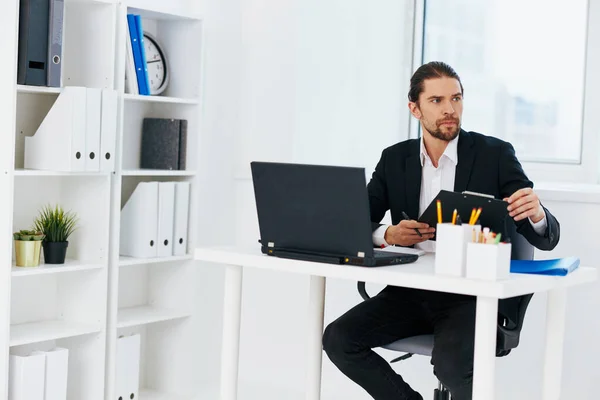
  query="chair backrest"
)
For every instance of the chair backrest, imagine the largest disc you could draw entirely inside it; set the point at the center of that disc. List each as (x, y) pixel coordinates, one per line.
(521, 248)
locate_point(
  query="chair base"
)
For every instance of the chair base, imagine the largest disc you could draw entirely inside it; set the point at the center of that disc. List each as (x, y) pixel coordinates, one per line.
(443, 394)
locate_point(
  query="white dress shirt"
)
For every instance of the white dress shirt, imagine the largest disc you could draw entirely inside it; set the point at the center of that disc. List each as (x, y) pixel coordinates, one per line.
(432, 181)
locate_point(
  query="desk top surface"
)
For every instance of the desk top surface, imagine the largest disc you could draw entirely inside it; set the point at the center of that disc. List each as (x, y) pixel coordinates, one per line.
(419, 274)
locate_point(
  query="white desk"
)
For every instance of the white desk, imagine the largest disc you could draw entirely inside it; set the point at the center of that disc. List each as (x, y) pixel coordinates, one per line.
(419, 275)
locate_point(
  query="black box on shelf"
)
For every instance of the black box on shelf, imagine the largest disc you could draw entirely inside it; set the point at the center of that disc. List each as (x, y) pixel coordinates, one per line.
(164, 142)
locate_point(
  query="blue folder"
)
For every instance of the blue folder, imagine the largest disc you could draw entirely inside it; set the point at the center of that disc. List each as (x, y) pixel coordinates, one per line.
(558, 267)
(141, 43)
(139, 63)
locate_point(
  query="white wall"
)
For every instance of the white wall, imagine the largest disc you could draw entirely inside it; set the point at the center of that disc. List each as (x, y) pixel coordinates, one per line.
(220, 129)
(323, 82)
(326, 82)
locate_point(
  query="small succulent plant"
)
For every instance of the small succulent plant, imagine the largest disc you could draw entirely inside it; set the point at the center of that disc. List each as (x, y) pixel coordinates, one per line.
(28, 235)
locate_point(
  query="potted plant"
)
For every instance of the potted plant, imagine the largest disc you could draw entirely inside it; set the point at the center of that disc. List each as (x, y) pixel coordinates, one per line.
(57, 225)
(28, 244)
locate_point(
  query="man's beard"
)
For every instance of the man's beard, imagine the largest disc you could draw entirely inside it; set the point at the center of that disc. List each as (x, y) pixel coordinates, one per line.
(448, 134)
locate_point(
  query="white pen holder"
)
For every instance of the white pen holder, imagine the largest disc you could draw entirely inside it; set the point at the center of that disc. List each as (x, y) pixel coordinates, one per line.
(489, 262)
(451, 246)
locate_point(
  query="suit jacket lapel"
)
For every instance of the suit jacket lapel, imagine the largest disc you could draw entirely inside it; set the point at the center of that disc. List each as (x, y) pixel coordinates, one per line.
(466, 157)
(413, 180)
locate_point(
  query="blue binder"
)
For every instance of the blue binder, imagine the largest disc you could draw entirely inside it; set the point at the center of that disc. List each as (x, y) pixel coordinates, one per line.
(557, 267)
(142, 44)
(140, 66)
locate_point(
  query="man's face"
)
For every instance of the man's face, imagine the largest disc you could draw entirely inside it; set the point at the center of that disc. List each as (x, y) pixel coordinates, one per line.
(440, 108)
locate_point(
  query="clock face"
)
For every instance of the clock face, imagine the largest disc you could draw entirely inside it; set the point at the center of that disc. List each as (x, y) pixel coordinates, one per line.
(156, 64)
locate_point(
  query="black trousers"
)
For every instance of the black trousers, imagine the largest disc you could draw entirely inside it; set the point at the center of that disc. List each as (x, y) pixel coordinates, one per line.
(396, 313)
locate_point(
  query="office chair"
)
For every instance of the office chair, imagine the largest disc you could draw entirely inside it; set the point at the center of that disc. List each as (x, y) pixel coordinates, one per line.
(509, 324)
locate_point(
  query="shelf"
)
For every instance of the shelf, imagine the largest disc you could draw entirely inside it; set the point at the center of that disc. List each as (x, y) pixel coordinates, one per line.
(93, 1)
(160, 99)
(126, 261)
(38, 172)
(143, 315)
(44, 269)
(37, 89)
(165, 11)
(35, 332)
(156, 172)
(149, 394)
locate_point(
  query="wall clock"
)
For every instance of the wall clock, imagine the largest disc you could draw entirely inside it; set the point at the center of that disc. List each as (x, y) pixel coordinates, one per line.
(156, 62)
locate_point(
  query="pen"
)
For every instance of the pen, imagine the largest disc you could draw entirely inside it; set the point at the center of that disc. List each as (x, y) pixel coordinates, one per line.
(439, 211)
(407, 218)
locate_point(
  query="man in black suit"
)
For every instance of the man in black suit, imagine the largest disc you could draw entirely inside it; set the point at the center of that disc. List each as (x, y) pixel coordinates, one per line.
(408, 176)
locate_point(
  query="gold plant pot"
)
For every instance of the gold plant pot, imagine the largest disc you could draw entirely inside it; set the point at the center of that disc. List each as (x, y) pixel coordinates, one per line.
(28, 252)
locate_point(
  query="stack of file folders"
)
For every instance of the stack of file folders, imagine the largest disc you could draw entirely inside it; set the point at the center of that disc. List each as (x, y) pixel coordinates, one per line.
(78, 133)
(39, 375)
(154, 220)
(558, 267)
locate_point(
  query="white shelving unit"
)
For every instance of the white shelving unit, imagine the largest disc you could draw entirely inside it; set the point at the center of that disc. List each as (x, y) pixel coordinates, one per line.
(99, 295)
(37, 332)
(68, 266)
(155, 172)
(160, 99)
(37, 89)
(125, 261)
(34, 172)
(153, 297)
(143, 315)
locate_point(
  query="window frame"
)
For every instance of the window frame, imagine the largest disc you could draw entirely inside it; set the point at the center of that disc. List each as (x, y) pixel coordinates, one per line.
(588, 169)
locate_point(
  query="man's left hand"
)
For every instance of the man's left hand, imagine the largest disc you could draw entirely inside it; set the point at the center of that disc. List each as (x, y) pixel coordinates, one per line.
(525, 203)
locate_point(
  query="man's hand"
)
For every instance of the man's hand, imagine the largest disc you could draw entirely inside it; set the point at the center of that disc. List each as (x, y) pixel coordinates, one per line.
(524, 203)
(405, 234)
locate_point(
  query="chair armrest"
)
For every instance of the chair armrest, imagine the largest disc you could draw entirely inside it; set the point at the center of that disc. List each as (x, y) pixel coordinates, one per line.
(523, 309)
(362, 290)
(508, 337)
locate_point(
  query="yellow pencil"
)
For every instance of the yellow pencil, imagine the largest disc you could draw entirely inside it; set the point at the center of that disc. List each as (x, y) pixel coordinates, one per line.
(454, 217)
(477, 214)
(472, 215)
(439, 211)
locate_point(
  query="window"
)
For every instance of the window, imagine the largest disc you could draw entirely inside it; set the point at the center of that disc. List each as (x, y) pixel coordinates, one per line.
(522, 64)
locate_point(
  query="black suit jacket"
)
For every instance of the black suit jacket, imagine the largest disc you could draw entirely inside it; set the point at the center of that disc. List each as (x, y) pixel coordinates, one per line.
(485, 165)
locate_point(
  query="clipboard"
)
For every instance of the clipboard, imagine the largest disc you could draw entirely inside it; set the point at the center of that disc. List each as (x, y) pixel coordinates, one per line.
(493, 215)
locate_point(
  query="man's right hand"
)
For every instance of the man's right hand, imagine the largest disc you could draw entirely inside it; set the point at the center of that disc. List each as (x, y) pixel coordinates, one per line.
(404, 234)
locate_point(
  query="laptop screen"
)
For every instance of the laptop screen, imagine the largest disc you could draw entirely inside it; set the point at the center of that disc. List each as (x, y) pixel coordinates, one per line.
(312, 208)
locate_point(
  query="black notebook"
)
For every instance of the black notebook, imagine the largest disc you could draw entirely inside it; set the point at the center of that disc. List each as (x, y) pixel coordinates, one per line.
(164, 142)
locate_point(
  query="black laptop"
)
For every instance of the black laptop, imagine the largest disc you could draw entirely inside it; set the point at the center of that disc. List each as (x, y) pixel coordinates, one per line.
(317, 213)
